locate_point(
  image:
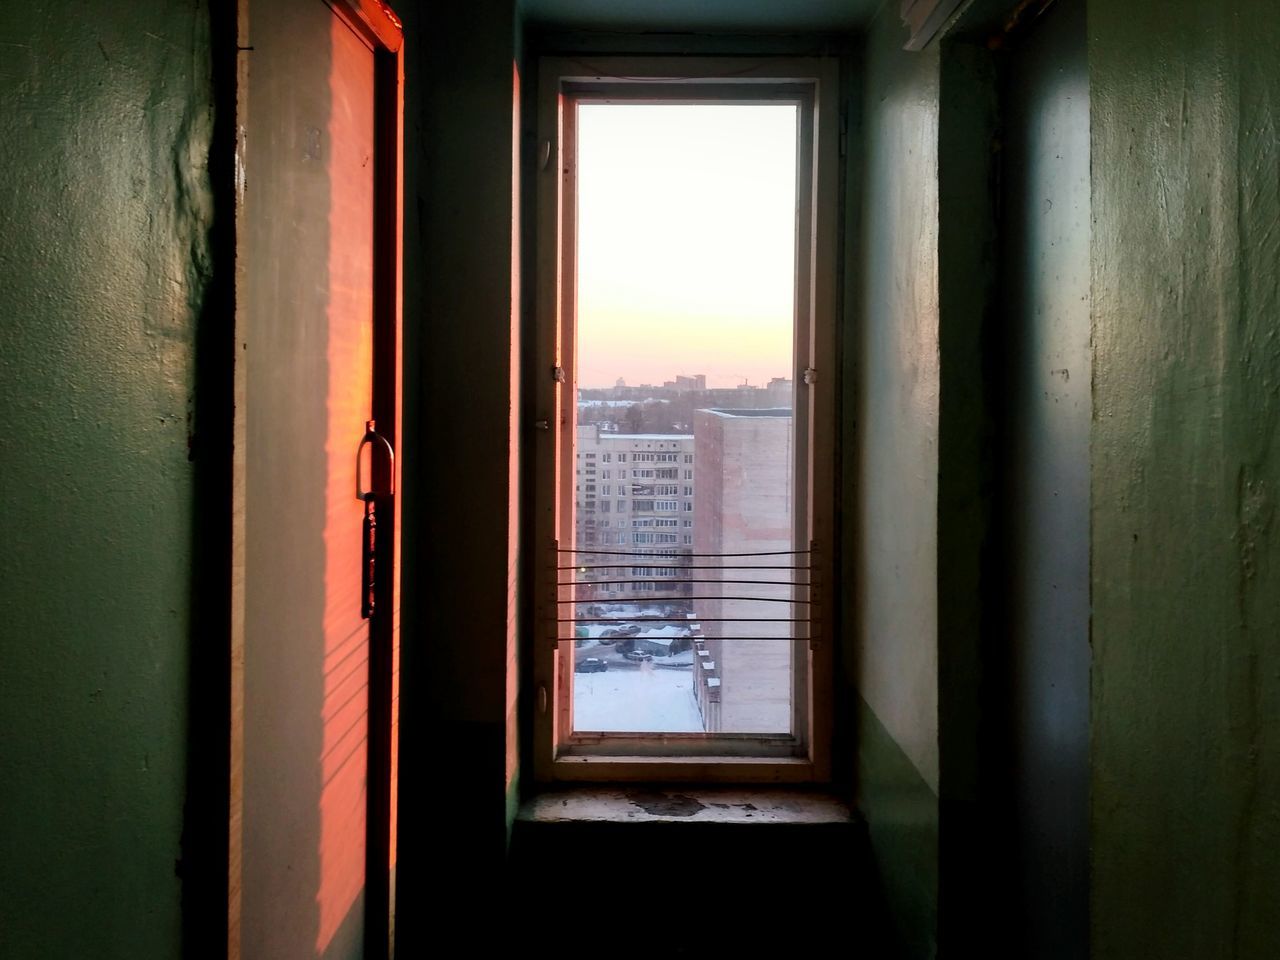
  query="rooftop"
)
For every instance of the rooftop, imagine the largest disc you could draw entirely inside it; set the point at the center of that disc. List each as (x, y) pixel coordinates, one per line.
(645, 436)
(779, 412)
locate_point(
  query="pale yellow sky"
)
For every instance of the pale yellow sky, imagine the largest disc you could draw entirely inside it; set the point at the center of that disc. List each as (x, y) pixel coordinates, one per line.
(686, 242)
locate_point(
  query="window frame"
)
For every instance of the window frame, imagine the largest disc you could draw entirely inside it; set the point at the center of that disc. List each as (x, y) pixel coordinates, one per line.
(737, 758)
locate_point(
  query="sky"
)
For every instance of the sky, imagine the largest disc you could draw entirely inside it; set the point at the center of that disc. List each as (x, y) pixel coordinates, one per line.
(686, 242)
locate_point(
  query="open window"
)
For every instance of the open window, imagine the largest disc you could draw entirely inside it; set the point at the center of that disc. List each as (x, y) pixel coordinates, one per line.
(685, 411)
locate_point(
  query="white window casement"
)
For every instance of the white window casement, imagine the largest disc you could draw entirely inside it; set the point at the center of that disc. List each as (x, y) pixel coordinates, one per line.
(799, 751)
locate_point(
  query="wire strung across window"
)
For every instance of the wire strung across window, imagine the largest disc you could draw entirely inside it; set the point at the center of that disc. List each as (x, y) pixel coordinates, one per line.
(675, 560)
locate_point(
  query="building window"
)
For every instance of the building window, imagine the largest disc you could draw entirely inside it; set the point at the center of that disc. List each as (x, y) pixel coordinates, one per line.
(781, 497)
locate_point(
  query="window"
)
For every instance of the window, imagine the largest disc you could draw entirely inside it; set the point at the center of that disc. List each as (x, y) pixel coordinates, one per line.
(785, 154)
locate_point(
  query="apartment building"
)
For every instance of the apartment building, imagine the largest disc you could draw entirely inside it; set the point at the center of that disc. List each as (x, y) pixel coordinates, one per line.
(744, 506)
(633, 493)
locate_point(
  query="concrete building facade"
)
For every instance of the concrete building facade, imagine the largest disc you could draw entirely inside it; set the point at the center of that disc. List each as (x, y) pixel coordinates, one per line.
(633, 493)
(743, 504)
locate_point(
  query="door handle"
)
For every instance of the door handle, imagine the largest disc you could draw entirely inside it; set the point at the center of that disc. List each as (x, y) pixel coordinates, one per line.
(369, 529)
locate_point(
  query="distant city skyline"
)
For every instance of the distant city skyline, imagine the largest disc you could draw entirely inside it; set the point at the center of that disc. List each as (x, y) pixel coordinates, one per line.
(686, 242)
(660, 381)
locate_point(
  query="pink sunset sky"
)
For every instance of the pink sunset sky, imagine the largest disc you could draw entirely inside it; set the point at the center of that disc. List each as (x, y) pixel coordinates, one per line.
(686, 242)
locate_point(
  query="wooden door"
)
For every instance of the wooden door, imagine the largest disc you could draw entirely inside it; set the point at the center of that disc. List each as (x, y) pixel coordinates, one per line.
(317, 317)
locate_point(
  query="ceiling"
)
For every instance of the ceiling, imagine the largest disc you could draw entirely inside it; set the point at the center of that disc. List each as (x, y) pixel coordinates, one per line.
(719, 15)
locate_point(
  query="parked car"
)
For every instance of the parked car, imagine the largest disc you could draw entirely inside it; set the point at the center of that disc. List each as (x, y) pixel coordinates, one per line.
(638, 655)
(591, 665)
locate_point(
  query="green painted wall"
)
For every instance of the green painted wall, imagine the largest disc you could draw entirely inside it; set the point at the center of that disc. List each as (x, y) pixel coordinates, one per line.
(1185, 478)
(891, 474)
(107, 116)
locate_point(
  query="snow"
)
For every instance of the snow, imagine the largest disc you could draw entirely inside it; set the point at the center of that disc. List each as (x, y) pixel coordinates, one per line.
(669, 632)
(644, 700)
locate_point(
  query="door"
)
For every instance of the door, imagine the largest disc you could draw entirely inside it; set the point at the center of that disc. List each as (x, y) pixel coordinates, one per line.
(317, 323)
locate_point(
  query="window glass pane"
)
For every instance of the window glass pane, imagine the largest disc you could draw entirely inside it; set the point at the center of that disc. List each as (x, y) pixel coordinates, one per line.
(686, 301)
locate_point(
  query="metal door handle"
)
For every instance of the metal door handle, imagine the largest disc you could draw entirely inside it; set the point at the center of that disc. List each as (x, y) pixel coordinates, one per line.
(371, 435)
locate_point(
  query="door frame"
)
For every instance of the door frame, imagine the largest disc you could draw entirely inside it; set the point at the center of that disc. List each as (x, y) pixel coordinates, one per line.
(378, 26)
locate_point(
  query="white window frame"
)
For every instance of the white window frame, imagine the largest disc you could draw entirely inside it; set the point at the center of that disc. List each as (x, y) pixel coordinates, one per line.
(804, 756)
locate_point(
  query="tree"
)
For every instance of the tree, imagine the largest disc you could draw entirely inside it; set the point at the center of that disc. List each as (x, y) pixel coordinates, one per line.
(635, 418)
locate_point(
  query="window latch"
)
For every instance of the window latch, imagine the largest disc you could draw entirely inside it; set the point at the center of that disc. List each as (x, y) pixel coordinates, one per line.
(369, 529)
(810, 375)
(557, 374)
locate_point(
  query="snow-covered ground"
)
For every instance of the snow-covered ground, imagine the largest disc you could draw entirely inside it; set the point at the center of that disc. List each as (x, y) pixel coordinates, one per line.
(645, 700)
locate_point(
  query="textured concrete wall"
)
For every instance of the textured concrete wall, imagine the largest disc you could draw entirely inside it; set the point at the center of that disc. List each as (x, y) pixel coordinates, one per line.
(106, 119)
(1042, 354)
(1185, 478)
(897, 402)
(892, 474)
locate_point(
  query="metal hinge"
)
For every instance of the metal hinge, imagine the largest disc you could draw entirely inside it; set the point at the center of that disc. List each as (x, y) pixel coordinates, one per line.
(810, 375)
(557, 374)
